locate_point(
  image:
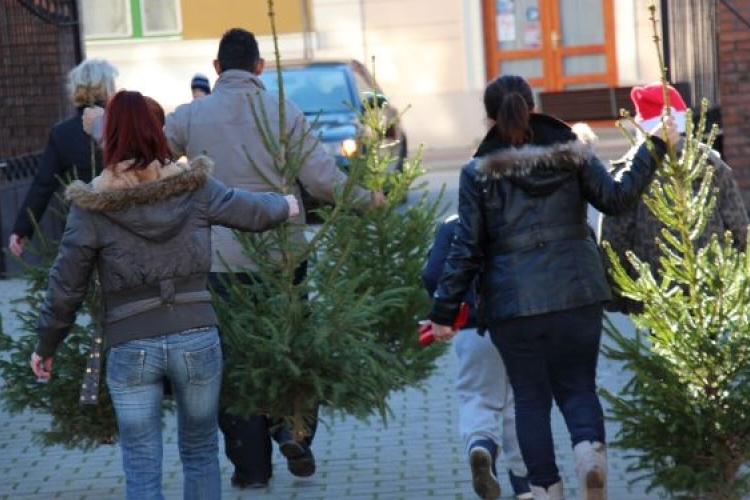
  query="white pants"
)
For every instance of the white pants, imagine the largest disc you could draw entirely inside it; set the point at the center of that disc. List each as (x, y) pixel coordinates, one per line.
(485, 396)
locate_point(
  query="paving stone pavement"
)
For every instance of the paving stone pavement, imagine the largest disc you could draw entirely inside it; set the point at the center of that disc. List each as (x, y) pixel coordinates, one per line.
(417, 455)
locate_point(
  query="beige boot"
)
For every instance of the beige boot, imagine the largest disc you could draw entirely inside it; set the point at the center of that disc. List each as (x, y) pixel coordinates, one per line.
(591, 466)
(553, 492)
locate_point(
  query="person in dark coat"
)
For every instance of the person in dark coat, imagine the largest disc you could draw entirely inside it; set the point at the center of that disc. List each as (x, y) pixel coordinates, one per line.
(69, 153)
(638, 230)
(522, 209)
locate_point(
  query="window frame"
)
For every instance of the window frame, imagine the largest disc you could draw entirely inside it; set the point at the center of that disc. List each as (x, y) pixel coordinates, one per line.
(142, 14)
(136, 13)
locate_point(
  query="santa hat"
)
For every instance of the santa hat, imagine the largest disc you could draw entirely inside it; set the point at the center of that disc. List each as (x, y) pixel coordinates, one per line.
(649, 105)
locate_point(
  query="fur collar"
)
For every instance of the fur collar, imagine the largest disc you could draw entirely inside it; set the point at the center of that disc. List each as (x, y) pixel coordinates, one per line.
(117, 188)
(530, 159)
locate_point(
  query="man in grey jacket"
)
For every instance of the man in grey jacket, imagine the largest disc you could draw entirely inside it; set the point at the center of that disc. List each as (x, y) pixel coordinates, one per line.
(223, 126)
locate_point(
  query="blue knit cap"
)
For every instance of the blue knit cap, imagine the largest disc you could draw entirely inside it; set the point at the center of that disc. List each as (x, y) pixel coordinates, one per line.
(200, 81)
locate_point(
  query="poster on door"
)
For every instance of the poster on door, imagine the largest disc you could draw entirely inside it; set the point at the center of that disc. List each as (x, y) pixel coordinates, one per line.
(532, 31)
(505, 20)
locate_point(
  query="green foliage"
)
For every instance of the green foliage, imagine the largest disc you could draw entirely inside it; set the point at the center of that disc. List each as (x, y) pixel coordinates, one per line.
(684, 410)
(72, 424)
(345, 335)
(389, 246)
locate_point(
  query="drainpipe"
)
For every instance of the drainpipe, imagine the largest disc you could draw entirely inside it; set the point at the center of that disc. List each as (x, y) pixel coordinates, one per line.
(307, 49)
(665, 38)
(363, 22)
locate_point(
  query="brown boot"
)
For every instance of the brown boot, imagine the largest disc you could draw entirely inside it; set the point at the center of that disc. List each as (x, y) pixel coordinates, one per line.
(591, 466)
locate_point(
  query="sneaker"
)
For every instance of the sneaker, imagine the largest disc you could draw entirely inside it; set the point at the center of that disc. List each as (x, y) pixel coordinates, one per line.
(299, 458)
(520, 485)
(242, 483)
(482, 462)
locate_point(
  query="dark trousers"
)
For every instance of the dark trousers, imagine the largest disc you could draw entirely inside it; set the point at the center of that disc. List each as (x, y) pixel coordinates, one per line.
(247, 440)
(550, 356)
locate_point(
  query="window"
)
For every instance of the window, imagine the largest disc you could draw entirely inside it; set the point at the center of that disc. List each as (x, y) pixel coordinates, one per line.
(130, 18)
(160, 17)
(106, 19)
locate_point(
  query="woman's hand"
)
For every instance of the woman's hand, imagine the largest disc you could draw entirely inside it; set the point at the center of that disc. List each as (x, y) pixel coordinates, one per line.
(377, 199)
(667, 131)
(16, 244)
(89, 115)
(443, 333)
(293, 205)
(41, 367)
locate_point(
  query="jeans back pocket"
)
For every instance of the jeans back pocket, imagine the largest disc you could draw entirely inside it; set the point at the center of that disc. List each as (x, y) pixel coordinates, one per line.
(125, 367)
(204, 365)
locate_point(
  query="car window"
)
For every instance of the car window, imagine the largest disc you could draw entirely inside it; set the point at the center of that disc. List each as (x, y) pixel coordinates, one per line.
(363, 86)
(314, 89)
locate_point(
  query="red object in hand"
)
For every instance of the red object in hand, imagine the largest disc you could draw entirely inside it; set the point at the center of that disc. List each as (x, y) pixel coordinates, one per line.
(427, 336)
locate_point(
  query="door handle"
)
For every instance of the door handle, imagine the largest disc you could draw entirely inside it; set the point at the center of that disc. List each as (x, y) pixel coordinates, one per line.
(555, 38)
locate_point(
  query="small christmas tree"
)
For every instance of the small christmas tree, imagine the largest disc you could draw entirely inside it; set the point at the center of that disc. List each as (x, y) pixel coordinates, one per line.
(344, 336)
(73, 425)
(390, 245)
(684, 410)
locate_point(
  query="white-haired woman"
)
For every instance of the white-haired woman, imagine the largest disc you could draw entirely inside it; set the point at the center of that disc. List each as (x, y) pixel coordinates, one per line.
(69, 152)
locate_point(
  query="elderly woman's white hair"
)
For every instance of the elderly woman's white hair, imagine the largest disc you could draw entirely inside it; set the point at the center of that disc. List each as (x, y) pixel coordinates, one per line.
(92, 81)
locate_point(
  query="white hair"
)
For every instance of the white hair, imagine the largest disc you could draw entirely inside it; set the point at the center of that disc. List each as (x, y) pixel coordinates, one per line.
(92, 81)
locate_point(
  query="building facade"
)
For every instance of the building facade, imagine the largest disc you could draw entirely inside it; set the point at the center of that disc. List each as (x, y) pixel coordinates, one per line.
(734, 88)
(433, 55)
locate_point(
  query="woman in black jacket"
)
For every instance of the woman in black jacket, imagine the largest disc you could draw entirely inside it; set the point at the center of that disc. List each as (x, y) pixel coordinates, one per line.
(70, 153)
(523, 220)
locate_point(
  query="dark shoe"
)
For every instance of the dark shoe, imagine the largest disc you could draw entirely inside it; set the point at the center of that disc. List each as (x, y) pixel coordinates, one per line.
(520, 485)
(243, 483)
(482, 462)
(299, 458)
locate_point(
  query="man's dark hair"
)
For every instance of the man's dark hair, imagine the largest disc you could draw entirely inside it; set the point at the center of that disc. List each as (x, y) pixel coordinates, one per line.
(238, 49)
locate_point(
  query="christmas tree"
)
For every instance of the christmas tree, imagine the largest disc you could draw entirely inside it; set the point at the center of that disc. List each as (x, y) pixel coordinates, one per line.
(345, 336)
(73, 424)
(684, 410)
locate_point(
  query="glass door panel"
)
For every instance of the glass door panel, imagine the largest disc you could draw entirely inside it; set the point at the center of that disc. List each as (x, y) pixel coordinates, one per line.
(528, 68)
(582, 55)
(577, 29)
(518, 25)
(584, 64)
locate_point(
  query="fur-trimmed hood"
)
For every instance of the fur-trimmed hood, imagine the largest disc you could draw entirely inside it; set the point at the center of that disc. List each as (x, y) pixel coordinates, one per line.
(117, 188)
(539, 168)
(154, 202)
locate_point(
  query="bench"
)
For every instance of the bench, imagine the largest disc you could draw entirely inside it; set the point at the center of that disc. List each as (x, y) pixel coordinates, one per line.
(593, 104)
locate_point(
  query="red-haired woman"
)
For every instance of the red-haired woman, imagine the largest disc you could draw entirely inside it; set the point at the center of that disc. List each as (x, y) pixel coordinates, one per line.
(145, 224)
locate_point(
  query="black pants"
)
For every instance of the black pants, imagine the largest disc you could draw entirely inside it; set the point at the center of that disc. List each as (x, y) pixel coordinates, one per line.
(247, 440)
(552, 356)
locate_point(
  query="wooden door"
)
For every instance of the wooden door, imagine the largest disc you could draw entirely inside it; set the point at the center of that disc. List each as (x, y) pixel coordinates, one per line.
(554, 44)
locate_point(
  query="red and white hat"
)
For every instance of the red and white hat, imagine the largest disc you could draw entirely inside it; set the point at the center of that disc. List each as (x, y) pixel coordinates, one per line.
(649, 105)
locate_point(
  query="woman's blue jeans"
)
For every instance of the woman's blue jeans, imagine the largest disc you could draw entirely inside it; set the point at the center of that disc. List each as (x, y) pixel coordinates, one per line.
(550, 356)
(193, 362)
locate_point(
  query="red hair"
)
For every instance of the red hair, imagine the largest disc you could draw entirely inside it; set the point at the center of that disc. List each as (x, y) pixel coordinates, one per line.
(132, 132)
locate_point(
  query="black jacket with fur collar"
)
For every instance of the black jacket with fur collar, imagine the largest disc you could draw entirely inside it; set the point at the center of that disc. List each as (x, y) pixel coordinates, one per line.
(523, 221)
(148, 232)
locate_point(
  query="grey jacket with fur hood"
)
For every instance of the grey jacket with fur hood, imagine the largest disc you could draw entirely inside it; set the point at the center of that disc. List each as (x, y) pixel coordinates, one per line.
(523, 222)
(148, 233)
